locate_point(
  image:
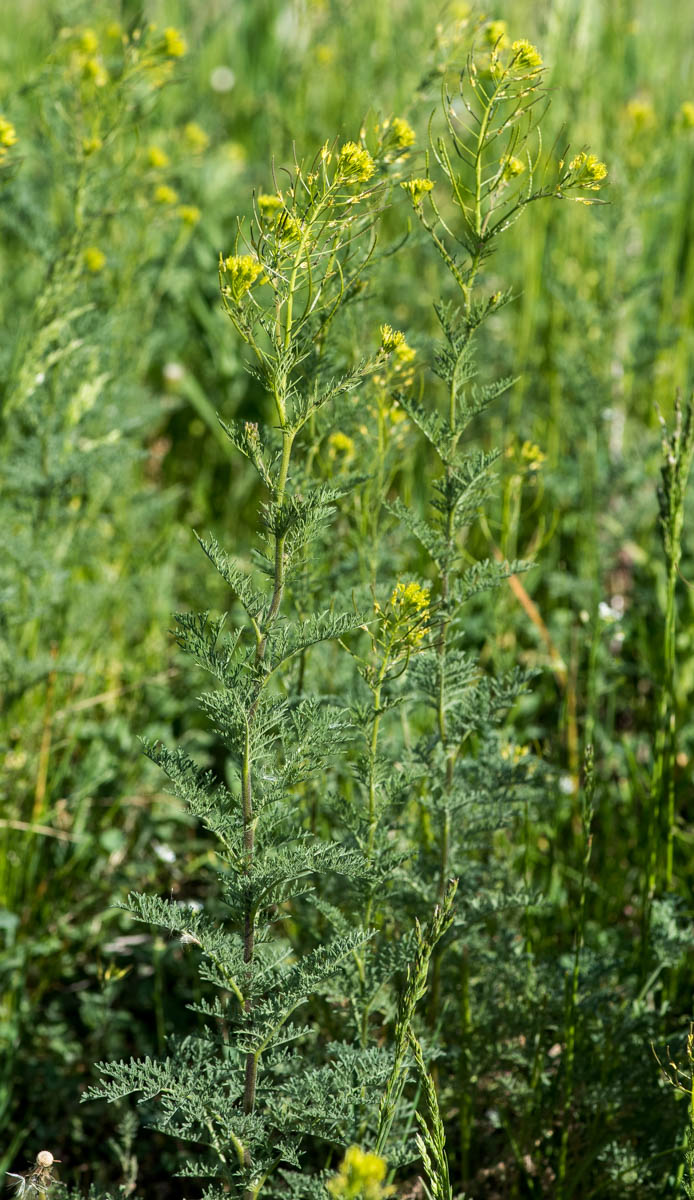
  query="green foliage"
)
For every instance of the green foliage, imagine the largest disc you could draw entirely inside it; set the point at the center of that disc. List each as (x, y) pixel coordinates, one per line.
(84, 573)
(242, 1095)
(398, 728)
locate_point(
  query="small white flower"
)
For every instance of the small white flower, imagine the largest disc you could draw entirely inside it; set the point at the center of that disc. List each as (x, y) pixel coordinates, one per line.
(607, 612)
(222, 79)
(173, 372)
(163, 853)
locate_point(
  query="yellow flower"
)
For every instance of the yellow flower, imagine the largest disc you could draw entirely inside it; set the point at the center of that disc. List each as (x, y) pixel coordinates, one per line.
(325, 54)
(686, 114)
(511, 167)
(341, 443)
(406, 613)
(589, 171)
(189, 214)
(94, 70)
(641, 115)
(417, 189)
(243, 271)
(157, 157)
(268, 205)
(390, 338)
(90, 145)
(360, 1177)
(114, 31)
(165, 194)
(174, 44)
(89, 42)
(235, 153)
(8, 134)
(94, 259)
(533, 455)
(411, 596)
(526, 57)
(396, 414)
(354, 164)
(495, 34)
(404, 354)
(196, 137)
(401, 134)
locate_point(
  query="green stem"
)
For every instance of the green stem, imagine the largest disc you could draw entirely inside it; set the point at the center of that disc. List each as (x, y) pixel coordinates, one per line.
(252, 1057)
(465, 1118)
(666, 739)
(373, 825)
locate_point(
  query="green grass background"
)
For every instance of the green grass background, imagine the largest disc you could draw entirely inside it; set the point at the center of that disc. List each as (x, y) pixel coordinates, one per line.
(98, 548)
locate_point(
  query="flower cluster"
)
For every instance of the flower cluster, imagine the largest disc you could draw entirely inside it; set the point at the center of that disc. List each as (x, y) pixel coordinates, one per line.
(418, 189)
(641, 115)
(404, 354)
(93, 70)
(360, 1177)
(165, 194)
(242, 270)
(189, 213)
(88, 41)
(526, 57)
(406, 614)
(8, 137)
(588, 171)
(272, 212)
(390, 338)
(174, 44)
(94, 259)
(269, 205)
(495, 34)
(196, 137)
(157, 157)
(409, 598)
(354, 164)
(400, 134)
(340, 443)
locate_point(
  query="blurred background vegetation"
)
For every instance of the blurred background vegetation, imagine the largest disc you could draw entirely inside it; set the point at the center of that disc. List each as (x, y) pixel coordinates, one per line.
(123, 186)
